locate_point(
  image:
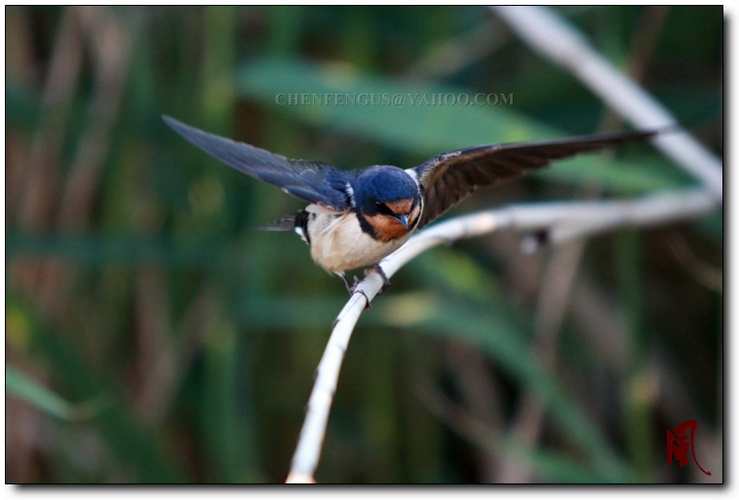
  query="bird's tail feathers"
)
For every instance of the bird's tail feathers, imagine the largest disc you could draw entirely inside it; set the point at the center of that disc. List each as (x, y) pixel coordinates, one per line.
(286, 223)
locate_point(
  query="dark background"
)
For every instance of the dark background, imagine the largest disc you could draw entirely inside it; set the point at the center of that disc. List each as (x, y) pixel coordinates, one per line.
(153, 335)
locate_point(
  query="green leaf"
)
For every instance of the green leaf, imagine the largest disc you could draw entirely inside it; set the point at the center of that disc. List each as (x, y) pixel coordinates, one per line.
(492, 329)
(22, 106)
(473, 310)
(128, 440)
(39, 396)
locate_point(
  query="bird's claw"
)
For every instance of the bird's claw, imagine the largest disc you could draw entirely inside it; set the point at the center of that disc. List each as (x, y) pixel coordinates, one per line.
(356, 283)
(378, 270)
(354, 290)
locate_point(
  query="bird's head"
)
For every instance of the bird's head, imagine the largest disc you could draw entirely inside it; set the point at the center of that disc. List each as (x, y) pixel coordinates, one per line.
(388, 200)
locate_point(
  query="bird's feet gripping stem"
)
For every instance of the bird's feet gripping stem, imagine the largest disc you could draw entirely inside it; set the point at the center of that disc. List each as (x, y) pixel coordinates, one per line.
(378, 270)
(351, 289)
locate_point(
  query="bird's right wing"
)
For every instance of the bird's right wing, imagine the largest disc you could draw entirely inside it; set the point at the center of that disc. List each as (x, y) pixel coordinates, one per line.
(313, 182)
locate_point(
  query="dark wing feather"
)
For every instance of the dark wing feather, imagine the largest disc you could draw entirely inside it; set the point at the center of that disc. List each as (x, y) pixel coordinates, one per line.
(450, 177)
(313, 182)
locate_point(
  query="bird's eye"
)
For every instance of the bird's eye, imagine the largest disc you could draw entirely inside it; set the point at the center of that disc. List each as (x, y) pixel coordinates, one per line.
(380, 206)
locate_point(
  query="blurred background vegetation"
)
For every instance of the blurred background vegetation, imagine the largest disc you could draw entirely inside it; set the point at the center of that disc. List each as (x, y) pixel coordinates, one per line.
(152, 335)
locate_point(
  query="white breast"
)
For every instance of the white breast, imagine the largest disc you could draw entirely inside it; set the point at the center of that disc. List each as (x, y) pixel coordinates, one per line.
(338, 243)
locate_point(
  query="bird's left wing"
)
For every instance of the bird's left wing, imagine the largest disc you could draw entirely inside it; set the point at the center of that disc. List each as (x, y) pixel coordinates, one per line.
(309, 181)
(450, 177)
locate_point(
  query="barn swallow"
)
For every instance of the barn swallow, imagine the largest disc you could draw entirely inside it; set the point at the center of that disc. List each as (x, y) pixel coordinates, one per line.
(355, 218)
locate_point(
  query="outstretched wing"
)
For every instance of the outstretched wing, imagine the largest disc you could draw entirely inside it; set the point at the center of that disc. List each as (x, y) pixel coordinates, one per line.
(450, 177)
(309, 181)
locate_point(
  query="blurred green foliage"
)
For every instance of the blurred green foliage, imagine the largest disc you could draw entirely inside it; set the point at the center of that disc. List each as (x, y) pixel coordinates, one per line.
(152, 335)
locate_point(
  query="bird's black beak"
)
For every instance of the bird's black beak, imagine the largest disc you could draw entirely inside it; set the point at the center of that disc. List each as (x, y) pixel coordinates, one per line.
(403, 219)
